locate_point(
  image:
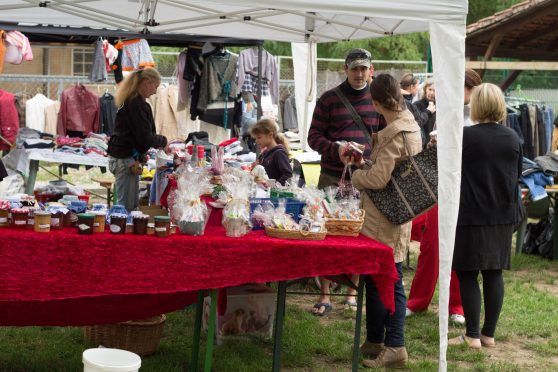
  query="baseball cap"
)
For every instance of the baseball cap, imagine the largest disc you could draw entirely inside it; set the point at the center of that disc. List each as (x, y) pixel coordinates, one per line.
(358, 57)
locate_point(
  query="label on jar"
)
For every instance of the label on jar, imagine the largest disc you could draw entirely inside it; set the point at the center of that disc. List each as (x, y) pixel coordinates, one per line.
(83, 227)
(45, 226)
(96, 224)
(55, 221)
(115, 228)
(3, 220)
(19, 222)
(160, 229)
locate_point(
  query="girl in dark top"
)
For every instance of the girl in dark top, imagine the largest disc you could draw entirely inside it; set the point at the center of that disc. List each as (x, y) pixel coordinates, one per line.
(490, 171)
(134, 133)
(274, 149)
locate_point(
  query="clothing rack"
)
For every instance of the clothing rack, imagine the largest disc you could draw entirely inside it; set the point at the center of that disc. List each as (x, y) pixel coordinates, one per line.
(518, 100)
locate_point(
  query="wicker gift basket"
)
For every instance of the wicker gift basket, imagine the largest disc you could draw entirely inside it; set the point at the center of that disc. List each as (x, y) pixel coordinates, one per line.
(343, 226)
(138, 336)
(295, 234)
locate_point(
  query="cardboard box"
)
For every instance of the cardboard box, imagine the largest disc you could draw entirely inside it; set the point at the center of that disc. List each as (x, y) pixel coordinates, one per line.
(153, 210)
(250, 312)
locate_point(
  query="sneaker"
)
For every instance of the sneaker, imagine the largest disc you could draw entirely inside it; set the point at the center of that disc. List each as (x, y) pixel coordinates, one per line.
(457, 319)
(409, 312)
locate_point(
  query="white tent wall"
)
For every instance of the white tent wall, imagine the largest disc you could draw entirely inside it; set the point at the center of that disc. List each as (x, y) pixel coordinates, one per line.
(448, 48)
(304, 64)
(289, 20)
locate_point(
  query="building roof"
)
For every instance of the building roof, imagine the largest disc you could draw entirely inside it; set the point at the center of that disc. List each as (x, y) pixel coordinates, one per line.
(528, 31)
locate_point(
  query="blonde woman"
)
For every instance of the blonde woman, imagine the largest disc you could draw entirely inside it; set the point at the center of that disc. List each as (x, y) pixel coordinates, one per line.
(134, 134)
(490, 171)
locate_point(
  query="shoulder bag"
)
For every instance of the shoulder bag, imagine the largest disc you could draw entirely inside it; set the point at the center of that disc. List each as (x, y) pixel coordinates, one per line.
(412, 189)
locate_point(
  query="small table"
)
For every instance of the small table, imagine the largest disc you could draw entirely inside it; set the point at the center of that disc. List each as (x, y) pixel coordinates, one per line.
(106, 183)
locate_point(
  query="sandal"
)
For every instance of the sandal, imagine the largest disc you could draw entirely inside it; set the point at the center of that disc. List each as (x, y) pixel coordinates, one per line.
(463, 340)
(326, 308)
(350, 305)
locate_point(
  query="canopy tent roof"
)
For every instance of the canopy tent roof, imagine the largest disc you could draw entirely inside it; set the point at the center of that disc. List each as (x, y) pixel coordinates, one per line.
(294, 21)
(526, 31)
(88, 35)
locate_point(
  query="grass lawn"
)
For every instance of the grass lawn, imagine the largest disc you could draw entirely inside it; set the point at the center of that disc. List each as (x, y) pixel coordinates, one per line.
(527, 334)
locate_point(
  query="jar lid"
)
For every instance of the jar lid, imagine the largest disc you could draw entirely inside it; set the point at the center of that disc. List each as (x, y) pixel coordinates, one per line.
(162, 218)
(42, 213)
(119, 215)
(20, 210)
(140, 217)
(86, 215)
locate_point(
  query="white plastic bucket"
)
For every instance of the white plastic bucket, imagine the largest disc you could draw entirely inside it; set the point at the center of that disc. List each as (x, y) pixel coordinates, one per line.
(110, 360)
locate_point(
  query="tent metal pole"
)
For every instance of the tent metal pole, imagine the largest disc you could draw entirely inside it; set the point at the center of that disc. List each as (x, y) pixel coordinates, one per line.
(92, 10)
(259, 96)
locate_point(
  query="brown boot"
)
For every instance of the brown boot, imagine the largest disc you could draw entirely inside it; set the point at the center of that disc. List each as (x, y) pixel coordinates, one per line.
(390, 357)
(371, 349)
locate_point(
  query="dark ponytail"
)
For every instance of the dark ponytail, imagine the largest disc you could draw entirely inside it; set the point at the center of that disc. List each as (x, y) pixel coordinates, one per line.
(385, 90)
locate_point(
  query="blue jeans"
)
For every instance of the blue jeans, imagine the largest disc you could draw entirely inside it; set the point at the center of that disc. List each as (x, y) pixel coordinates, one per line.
(126, 183)
(381, 326)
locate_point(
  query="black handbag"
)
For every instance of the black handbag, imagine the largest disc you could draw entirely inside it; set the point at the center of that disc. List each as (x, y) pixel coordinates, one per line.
(412, 189)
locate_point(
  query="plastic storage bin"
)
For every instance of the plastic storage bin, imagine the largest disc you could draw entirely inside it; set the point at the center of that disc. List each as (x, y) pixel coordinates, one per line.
(293, 206)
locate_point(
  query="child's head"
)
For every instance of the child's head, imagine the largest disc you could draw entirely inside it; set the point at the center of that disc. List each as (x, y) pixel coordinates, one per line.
(265, 133)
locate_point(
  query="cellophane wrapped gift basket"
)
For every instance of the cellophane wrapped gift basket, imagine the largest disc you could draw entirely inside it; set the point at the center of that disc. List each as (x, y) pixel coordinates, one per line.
(343, 214)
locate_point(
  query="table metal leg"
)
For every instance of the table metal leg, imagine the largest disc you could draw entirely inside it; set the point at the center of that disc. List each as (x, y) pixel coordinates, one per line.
(356, 344)
(197, 333)
(210, 331)
(279, 320)
(554, 200)
(33, 169)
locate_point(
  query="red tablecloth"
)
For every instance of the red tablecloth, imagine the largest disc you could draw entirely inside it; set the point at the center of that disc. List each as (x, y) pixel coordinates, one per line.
(62, 278)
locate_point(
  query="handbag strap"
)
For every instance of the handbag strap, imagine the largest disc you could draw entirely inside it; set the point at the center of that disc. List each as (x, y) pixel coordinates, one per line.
(356, 117)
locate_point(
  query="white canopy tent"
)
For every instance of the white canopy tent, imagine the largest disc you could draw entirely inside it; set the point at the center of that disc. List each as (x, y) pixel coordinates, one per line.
(307, 22)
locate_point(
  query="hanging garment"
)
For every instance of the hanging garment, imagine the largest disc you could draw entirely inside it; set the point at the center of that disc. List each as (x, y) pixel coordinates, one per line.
(290, 120)
(541, 132)
(548, 115)
(526, 128)
(117, 65)
(183, 84)
(165, 112)
(107, 114)
(218, 82)
(136, 55)
(35, 112)
(9, 123)
(248, 63)
(21, 42)
(51, 117)
(2, 49)
(110, 53)
(79, 111)
(98, 70)
(21, 100)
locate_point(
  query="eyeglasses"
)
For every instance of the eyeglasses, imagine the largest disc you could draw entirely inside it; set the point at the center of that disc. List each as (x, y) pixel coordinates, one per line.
(360, 55)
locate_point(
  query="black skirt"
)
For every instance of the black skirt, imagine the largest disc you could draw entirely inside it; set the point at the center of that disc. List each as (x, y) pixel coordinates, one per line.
(482, 247)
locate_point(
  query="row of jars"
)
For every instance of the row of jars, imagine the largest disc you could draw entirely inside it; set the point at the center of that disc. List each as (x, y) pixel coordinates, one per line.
(87, 223)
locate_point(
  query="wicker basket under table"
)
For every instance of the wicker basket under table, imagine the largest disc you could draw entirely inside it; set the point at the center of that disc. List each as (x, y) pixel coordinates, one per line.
(139, 336)
(344, 227)
(295, 234)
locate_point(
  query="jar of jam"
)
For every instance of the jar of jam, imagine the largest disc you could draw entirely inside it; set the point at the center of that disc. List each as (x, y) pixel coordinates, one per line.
(57, 219)
(140, 224)
(20, 217)
(4, 215)
(31, 219)
(118, 223)
(99, 221)
(85, 223)
(162, 226)
(42, 221)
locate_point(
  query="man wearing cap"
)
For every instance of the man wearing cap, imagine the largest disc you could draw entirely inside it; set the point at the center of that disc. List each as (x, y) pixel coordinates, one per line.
(333, 123)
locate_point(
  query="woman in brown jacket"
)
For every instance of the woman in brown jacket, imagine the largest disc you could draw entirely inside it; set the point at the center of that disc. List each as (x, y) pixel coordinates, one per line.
(385, 343)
